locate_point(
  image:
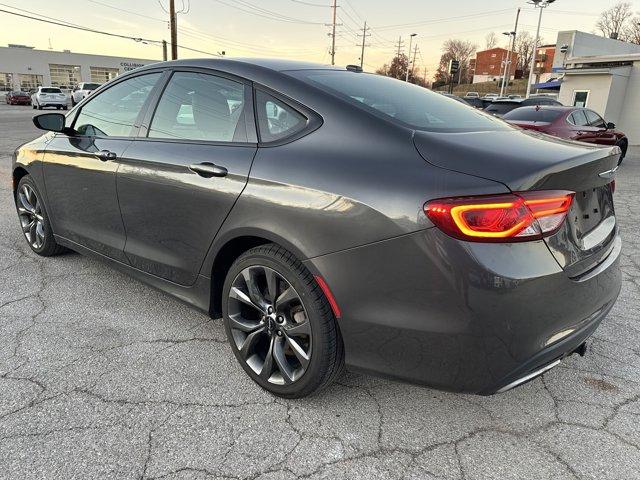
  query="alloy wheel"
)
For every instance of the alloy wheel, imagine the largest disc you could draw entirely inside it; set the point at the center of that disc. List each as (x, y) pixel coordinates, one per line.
(269, 325)
(31, 216)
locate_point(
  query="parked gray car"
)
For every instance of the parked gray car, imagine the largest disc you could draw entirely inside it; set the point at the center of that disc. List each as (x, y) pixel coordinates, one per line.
(334, 217)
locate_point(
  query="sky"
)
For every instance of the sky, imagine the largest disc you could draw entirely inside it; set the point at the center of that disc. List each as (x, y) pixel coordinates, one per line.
(247, 28)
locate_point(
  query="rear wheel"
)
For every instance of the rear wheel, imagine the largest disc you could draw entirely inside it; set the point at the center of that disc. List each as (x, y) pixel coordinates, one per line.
(624, 145)
(34, 219)
(279, 323)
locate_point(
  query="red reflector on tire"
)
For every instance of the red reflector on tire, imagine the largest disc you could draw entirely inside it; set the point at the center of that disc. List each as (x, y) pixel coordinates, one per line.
(327, 293)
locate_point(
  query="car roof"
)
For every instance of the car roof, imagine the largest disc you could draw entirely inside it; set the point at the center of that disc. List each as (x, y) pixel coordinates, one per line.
(276, 64)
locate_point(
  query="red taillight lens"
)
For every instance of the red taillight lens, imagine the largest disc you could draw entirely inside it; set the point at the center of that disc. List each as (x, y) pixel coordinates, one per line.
(501, 218)
(613, 186)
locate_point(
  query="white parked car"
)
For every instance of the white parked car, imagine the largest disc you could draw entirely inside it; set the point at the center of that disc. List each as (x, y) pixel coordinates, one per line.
(49, 97)
(81, 91)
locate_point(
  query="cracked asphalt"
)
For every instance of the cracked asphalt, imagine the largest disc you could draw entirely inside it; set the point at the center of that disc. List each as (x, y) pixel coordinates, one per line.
(104, 377)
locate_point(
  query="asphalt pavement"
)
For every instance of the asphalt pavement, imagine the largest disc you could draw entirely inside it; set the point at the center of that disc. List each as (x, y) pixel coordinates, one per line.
(104, 377)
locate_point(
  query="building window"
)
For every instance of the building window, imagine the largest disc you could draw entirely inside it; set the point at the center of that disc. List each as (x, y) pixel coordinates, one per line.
(580, 98)
(5, 82)
(64, 76)
(103, 74)
(29, 81)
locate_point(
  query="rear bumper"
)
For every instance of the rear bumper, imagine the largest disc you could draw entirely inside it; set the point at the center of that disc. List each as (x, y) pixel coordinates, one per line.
(459, 316)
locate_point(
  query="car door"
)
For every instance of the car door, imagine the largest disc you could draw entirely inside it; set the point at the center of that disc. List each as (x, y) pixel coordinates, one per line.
(184, 172)
(80, 168)
(605, 136)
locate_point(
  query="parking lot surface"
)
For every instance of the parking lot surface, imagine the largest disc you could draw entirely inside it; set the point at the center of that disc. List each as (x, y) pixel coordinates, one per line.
(104, 377)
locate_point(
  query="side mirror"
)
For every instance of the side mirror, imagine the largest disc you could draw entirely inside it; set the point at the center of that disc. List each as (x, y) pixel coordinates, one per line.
(611, 125)
(52, 122)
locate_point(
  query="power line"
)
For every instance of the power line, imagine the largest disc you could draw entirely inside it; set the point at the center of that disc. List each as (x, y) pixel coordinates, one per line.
(264, 13)
(443, 20)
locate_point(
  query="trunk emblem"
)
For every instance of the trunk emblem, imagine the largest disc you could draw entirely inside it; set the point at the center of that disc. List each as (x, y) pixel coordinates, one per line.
(608, 173)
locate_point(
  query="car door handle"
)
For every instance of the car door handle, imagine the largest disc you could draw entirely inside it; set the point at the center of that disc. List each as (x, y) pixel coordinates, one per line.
(105, 155)
(208, 170)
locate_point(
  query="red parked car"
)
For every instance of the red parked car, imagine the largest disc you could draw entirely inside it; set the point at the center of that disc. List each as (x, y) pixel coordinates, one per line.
(18, 98)
(575, 123)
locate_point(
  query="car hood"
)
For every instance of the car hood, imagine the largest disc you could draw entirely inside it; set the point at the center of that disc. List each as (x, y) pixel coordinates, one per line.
(520, 159)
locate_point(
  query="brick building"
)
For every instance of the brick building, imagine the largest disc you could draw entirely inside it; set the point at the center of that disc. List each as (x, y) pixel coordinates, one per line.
(489, 64)
(543, 70)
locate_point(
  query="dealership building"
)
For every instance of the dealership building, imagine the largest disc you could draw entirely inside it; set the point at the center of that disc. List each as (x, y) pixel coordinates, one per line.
(25, 68)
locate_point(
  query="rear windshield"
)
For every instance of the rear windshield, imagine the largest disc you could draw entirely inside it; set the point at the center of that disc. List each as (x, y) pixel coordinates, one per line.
(500, 107)
(532, 115)
(402, 102)
(51, 90)
(91, 86)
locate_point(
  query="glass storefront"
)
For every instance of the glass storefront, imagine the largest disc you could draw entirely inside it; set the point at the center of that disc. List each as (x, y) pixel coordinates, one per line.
(29, 81)
(64, 76)
(5, 82)
(103, 74)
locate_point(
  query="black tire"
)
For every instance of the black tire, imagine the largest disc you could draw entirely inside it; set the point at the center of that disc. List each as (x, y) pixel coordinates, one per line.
(73, 102)
(39, 107)
(34, 106)
(65, 107)
(624, 145)
(49, 247)
(326, 360)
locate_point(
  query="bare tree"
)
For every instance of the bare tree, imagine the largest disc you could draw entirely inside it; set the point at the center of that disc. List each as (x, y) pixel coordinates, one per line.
(612, 22)
(632, 31)
(490, 41)
(460, 50)
(524, 49)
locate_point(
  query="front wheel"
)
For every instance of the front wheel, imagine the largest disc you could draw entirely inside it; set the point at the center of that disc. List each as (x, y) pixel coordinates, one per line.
(279, 323)
(34, 219)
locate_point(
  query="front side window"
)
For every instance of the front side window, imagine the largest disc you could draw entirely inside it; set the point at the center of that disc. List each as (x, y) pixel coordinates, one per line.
(113, 112)
(595, 120)
(277, 120)
(198, 106)
(399, 101)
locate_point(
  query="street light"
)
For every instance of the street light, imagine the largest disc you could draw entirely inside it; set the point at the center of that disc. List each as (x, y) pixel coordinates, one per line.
(507, 63)
(541, 4)
(406, 79)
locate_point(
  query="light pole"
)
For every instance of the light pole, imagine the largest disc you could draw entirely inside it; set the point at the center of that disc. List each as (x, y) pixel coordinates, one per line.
(406, 79)
(541, 4)
(507, 63)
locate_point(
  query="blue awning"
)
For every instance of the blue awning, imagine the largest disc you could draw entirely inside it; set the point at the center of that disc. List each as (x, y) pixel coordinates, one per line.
(550, 85)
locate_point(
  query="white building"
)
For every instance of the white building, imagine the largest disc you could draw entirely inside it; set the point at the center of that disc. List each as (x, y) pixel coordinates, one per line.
(608, 84)
(603, 75)
(25, 68)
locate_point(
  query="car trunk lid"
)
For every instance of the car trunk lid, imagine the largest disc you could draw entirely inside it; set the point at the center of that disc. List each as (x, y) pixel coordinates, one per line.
(530, 125)
(526, 160)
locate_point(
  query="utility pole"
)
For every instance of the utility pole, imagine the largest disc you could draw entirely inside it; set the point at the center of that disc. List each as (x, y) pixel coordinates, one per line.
(400, 42)
(173, 25)
(515, 33)
(333, 33)
(364, 39)
(415, 52)
(541, 4)
(164, 50)
(406, 78)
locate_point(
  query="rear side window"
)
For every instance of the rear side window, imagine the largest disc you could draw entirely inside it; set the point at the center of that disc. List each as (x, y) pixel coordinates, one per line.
(408, 104)
(578, 118)
(198, 106)
(276, 119)
(533, 115)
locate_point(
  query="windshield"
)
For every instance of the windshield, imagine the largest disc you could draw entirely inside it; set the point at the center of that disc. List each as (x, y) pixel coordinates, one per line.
(408, 104)
(532, 115)
(51, 90)
(90, 86)
(499, 108)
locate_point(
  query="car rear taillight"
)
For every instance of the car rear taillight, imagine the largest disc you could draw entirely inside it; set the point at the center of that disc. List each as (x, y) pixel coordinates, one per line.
(513, 217)
(613, 186)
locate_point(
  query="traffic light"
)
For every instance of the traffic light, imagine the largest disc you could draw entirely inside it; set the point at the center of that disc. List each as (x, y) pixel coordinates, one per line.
(454, 66)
